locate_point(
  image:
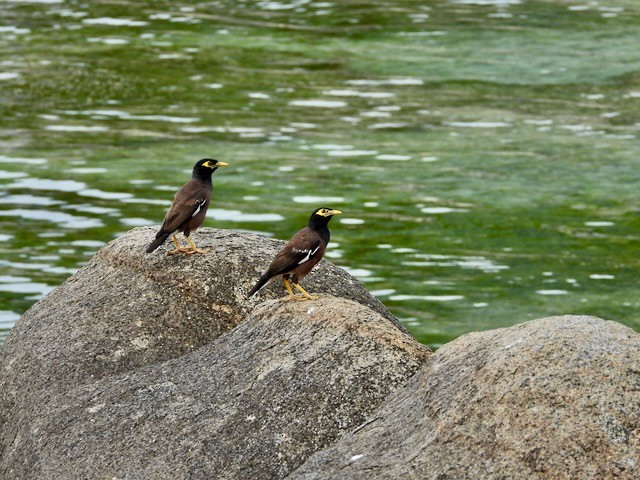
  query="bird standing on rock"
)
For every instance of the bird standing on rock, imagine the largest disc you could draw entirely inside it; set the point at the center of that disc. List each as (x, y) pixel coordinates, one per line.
(305, 249)
(189, 208)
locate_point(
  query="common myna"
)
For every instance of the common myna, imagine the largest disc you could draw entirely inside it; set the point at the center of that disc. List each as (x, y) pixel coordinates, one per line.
(300, 255)
(189, 208)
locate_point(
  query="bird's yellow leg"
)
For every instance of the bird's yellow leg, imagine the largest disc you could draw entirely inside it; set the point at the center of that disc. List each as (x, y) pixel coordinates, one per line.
(287, 285)
(307, 296)
(194, 249)
(178, 248)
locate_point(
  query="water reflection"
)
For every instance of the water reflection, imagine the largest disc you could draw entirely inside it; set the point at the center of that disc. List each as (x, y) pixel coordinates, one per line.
(123, 115)
(86, 170)
(238, 216)
(351, 221)
(439, 260)
(27, 287)
(393, 157)
(108, 41)
(8, 175)
(22, 160)
(61, 219)
(386, 81)
(95, 193)
(351, 153)
(440, 210)
(76, 128)
(115, 22)
(357, 93)
(427, 298)
(28, 200)
(316, 200)
(318, 103)
(47, 184)
(601, 276)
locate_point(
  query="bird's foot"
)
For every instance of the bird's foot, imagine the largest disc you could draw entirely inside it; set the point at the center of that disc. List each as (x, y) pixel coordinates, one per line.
(290, 298)
(191, 251)
(306, 295)
(298, 298)
(179, 250)
(187, 251)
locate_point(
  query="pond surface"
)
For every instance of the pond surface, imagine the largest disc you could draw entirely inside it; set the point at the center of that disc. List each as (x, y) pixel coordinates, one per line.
(485, 153)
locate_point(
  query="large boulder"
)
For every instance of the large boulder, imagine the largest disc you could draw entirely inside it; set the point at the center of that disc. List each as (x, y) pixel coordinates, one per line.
(155, 366)
(158, 366)
(126, 309)
(254, 403)
(552, 398)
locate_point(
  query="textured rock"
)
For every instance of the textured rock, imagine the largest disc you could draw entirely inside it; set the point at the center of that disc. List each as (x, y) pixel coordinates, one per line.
(127, 309)
(552, 398)
(254, 403)
(155, 366)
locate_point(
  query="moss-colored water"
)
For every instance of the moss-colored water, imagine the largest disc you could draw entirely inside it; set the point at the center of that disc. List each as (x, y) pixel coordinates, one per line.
(486, 156)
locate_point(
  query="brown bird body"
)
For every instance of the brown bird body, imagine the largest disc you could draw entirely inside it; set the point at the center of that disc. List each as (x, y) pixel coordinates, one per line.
(298, 257)
(189, 208)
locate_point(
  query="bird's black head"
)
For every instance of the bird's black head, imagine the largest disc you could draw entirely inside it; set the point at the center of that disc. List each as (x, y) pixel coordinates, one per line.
(205, 167)
(321, 216)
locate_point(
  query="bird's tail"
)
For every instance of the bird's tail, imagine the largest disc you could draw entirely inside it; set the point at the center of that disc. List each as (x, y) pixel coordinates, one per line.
(263, 279)
(160, 239)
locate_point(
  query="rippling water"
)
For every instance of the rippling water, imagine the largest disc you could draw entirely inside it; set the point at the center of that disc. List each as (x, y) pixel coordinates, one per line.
(484, 152)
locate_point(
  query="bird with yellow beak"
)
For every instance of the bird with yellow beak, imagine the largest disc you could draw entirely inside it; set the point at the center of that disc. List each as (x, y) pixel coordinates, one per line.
(296, 259)
(189, 208)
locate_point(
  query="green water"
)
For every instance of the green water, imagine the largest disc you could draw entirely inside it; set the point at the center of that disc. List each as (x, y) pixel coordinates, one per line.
(485, 154)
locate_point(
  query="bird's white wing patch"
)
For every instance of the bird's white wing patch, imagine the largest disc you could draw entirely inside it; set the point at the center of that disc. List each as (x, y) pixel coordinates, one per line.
(199, 204)
(309, 253)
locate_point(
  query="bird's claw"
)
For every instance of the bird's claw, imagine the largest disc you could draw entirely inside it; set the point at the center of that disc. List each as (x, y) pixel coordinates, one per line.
(187, 251)
(179, 250)
(298, 298)
(197, 250)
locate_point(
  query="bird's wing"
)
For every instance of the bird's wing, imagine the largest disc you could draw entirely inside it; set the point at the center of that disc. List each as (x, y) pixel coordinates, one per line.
(305, 246)
(188, 202)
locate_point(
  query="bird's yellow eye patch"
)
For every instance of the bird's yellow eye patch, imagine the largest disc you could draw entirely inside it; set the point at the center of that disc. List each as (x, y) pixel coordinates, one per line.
(327, 212)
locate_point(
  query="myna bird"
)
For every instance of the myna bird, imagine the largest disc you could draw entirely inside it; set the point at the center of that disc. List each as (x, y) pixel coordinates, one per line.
(300, 255)
(189, 208)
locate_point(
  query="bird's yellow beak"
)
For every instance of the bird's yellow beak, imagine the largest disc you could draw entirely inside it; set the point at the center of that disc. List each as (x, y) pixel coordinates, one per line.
(222, 164)
(335, 212)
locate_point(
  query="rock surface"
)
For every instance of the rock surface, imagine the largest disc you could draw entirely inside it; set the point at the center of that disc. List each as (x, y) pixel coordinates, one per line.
(255, 403)
(126, 309)
(551, 398)
(156, 366)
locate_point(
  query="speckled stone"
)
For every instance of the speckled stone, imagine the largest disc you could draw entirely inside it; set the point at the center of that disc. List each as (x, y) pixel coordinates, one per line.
(555, 398)
(157, 366)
